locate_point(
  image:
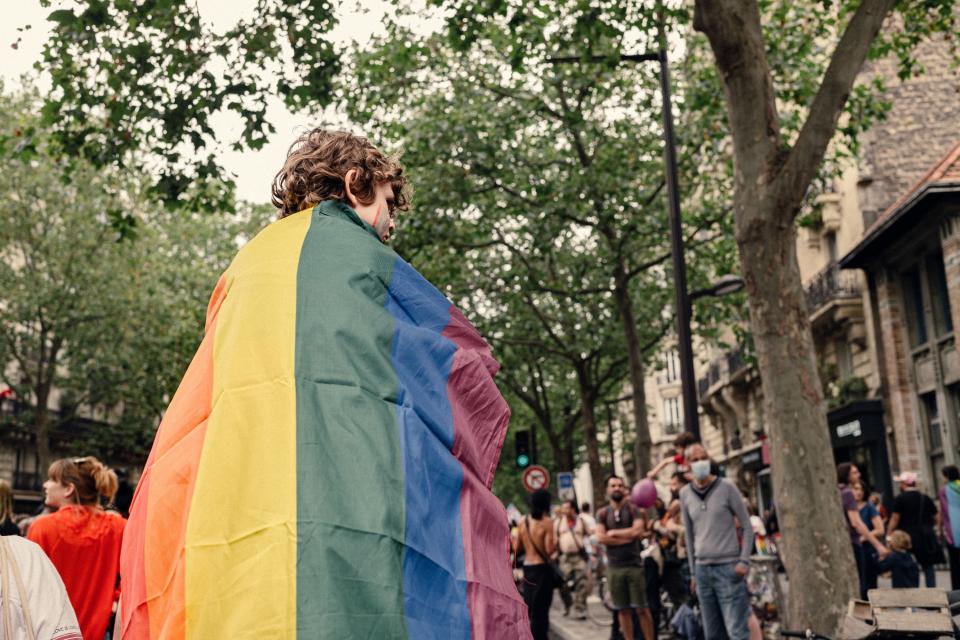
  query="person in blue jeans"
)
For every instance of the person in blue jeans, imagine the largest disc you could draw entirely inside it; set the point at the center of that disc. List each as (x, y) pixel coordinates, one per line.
(719, 558)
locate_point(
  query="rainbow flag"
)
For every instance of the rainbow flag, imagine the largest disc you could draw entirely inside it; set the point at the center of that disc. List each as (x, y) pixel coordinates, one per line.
(324, 469)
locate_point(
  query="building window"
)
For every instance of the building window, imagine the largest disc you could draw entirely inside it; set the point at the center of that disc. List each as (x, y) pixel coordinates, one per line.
(26, 474)
(831, 239)
(931, 416)
(939, 296)
(671, 362)
(844, 359)
(913, 301)
(672, 415)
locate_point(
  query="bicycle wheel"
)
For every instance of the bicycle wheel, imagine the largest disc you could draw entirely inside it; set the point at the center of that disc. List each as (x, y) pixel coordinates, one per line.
(599, 607)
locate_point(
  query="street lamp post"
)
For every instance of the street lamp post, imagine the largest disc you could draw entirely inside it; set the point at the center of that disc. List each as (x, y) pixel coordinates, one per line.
(691, 419)
(682, 300)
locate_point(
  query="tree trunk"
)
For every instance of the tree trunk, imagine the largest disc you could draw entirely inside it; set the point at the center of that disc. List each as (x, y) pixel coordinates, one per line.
(816, 549)
(771, 182)
(569, 423)
(590, 439)
(41, 431)
(642, 443)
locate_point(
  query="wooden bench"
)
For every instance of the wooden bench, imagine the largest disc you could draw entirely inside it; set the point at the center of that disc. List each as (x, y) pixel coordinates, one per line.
(899, 613)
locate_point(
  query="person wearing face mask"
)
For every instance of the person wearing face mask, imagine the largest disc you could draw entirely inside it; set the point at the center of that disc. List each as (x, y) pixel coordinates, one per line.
(719, 559)
(621, 527)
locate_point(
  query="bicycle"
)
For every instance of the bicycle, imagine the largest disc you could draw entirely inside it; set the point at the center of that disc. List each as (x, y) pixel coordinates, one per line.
(600, 616)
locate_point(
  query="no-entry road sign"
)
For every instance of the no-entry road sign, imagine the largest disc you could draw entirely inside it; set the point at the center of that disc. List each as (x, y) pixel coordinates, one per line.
(535, 477)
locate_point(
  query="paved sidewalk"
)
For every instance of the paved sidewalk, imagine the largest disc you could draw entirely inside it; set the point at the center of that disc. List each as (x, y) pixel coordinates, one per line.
(562, 628)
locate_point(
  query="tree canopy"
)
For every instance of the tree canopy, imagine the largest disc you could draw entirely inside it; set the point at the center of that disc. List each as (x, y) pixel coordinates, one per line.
(139, 84)
(540, 207)
(96, 329)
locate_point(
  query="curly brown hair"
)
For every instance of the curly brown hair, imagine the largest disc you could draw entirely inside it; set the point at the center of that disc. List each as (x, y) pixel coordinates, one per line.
(317, 163)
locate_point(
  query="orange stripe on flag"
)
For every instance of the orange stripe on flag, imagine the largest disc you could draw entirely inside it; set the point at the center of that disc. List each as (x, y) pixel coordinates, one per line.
(152, 560)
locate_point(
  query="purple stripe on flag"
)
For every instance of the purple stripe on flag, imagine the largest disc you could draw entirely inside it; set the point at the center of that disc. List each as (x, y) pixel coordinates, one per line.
(480, 418)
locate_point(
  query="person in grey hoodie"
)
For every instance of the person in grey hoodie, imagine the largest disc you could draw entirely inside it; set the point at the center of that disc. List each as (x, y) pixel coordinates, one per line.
(713, 510)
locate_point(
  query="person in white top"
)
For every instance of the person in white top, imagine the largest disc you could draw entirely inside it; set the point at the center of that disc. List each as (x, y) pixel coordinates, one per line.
(33, 601)
(572, 533)
(587, 518)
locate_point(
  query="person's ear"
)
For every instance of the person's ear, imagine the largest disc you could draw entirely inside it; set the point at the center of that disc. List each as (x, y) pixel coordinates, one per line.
(347, 181)
(71, 490)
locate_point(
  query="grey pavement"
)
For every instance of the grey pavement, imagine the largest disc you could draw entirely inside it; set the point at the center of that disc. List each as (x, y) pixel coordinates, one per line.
(562, 628)
(568, 628)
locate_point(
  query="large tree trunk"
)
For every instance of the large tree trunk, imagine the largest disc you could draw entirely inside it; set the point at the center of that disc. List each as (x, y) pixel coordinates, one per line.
(641, 443)
(816, 549)
(771, 182)
(590, 439)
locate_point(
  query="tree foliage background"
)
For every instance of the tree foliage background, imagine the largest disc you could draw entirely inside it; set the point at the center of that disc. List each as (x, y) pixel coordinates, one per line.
(541, 203)
(95, 326)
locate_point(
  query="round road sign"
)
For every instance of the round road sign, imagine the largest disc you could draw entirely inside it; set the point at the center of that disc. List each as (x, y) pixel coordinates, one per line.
(535, 477)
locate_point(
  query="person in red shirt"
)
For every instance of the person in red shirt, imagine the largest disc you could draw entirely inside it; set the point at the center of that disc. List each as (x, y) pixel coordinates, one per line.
(680, 444)
(81, 539)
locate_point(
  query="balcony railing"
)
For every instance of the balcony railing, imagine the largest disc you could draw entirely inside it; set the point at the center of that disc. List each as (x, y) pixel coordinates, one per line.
(724, 367)
(27, 481)
(831, 284)
(672, 428)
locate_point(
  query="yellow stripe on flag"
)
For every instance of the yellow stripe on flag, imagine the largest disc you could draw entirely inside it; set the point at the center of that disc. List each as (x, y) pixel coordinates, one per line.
(241, 540)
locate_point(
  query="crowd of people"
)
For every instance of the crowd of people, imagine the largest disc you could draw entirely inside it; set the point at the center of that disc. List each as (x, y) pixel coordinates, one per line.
(60, 568)
(909, 541)
(694, 543)
(697, 546)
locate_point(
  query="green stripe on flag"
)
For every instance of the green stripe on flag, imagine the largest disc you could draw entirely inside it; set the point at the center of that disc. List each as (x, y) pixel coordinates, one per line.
(350, 484)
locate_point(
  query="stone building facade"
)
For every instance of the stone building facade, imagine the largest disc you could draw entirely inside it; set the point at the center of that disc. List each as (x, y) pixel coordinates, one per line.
(911, 255)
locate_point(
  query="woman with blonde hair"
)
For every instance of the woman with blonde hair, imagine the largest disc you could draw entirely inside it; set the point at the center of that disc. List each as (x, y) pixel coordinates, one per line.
(7, 526)
(81, 538)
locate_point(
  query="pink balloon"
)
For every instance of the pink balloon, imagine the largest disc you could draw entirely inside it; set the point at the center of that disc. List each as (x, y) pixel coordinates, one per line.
(644, 493)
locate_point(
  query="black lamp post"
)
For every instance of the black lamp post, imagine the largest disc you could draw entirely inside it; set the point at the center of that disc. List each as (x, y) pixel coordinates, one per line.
(682, 298)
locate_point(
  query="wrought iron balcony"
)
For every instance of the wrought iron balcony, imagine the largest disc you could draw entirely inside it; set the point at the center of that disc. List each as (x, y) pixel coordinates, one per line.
(27, 480)
(724, 368)
(831, 284)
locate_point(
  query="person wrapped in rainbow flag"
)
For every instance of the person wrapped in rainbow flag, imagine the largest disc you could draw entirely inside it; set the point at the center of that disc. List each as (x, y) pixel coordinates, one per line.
(324, 468)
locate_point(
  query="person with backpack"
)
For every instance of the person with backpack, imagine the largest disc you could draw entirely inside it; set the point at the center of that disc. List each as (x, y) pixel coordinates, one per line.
(621, 527)
(719, 556)
(915, 513)
(536, 541)
(571, 532)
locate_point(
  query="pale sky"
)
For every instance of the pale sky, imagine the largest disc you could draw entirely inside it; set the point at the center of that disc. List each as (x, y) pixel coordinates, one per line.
(254, 170)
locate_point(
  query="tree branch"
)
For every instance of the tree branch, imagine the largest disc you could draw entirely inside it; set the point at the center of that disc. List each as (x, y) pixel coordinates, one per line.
(801, 165)
(736, 37)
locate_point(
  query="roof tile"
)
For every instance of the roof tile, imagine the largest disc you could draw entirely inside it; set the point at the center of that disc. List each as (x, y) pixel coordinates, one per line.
(947, 170)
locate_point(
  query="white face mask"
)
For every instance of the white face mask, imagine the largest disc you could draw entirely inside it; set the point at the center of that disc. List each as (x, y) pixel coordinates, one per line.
(700, 469)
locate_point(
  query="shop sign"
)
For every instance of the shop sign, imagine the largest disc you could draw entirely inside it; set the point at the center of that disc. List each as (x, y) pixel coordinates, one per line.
(851, 429)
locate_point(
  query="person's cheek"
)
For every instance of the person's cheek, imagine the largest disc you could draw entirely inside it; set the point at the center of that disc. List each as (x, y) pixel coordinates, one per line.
(382, 221)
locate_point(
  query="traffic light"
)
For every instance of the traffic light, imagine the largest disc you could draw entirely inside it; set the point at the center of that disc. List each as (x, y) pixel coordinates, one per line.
(522, 449)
